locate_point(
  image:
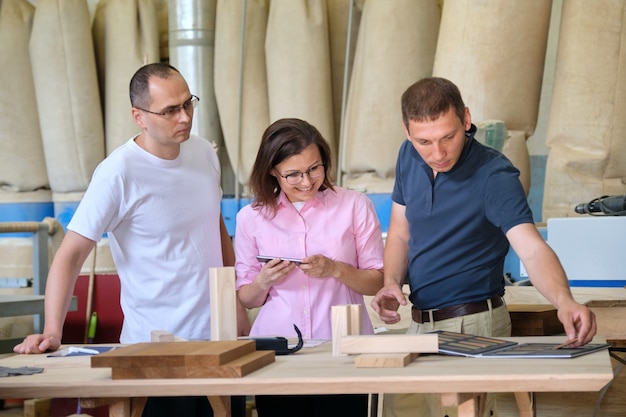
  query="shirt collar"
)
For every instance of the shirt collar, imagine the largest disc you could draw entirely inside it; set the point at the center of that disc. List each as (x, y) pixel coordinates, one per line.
(320, 198)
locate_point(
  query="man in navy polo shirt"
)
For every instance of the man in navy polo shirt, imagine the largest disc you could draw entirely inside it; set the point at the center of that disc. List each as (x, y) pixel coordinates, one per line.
(457, 205)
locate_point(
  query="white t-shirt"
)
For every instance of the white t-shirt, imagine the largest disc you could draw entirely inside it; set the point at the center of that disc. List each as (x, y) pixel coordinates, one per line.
(162, 219)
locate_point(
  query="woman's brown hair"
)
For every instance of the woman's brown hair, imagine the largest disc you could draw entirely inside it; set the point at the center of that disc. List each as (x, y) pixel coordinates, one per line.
(281, 140)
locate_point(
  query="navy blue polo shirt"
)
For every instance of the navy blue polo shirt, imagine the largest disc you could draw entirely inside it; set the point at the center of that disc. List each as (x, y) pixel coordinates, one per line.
(457, 223)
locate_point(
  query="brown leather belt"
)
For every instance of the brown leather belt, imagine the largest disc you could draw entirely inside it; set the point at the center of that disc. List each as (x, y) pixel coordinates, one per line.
(423, 316)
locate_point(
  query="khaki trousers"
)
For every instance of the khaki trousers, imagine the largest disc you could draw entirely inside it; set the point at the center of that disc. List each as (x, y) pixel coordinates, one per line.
(495, 323)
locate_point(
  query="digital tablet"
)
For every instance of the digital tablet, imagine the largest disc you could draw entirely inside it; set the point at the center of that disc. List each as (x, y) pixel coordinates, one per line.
(264, 258)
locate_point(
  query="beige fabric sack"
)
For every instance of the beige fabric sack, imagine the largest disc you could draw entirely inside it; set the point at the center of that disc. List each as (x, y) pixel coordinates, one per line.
(587, 127)
(126, 36)
(22, 163)
(394, 50)
(64, 72)
(516, 150)
(297, 54)
(494, 51)
(241, 89)
(343, 27)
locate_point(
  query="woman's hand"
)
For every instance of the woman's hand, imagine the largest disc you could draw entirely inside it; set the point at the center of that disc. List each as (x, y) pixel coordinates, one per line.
(319, 266)
(274, 272)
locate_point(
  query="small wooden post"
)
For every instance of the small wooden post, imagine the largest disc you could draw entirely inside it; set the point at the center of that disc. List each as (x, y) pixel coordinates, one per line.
(223, 302)
(355, 319)
(346, 321)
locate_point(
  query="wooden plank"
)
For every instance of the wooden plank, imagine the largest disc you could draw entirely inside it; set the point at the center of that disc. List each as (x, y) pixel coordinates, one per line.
(395, 343)
(389, 360)
(530, 295)
(196, 353)
(234, 369)
(530, 308)
(198, 359)
(223, 303)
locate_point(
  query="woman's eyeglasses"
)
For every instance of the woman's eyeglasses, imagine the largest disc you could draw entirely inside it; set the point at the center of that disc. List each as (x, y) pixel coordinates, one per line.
(314, 172)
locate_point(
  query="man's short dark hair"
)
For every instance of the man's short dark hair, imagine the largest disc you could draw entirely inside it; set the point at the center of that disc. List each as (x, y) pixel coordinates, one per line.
(140, 82)
(429, 98)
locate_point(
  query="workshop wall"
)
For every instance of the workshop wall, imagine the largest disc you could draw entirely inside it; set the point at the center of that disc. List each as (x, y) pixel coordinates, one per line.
(341, 65)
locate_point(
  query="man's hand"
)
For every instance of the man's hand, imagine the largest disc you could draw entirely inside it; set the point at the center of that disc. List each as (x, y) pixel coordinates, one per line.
(387, 302)
(38, 343)
(578, 321)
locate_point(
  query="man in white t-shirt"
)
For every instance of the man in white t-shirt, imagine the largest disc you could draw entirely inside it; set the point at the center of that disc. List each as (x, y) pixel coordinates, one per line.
(158, 199)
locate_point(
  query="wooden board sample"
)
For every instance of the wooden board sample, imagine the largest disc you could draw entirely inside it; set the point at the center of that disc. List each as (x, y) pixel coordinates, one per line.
(397, 343)
(198, 359)
(384, 360)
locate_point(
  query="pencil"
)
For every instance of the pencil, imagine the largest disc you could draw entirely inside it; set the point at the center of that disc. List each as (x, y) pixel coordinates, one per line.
(566, 344)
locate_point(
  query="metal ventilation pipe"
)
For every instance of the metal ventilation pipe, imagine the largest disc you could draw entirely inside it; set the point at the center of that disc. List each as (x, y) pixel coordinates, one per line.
(191, 49)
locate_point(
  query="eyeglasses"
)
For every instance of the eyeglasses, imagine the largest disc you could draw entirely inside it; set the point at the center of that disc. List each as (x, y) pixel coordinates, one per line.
(314, 172)
(173, 111)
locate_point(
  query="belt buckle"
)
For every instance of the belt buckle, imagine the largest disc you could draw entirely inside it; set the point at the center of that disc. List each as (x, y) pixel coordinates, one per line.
(427, 316)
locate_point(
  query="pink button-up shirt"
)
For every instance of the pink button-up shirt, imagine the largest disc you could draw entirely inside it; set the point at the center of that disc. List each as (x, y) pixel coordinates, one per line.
(341, 225)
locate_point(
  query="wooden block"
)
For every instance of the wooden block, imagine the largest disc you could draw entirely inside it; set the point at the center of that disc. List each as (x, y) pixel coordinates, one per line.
(235, 369)
(387, 360)
(198, 359)
(196, 353)
(223, 303)
(395, 343)
(355, 319)
(37, 407)
(345, 320)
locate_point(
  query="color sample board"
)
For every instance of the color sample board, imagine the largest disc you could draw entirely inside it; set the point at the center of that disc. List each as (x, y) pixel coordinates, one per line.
(459, 344)
(198, 359)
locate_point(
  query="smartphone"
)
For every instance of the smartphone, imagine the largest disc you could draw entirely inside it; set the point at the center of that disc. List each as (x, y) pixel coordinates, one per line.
(262, 258)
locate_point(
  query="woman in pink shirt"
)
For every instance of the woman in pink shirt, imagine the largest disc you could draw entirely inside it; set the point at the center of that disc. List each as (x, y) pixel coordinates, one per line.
(297, 212)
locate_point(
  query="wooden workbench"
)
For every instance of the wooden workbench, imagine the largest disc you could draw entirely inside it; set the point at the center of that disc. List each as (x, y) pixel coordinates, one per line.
(316, 371)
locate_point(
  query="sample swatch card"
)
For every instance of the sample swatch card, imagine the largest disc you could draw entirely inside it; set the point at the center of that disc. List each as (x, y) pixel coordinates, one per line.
(460, 344)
